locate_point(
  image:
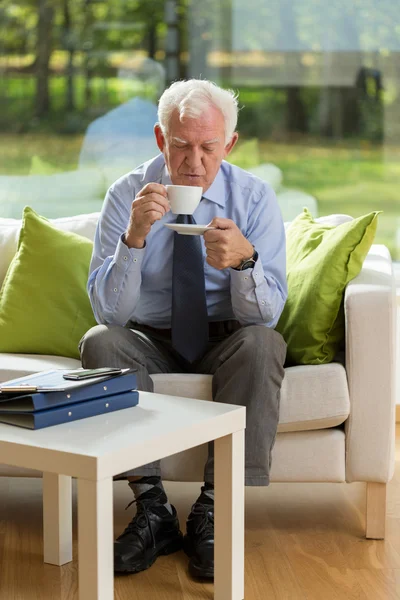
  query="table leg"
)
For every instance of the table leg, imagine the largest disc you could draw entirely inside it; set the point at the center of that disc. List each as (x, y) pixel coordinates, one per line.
(229, 517)
(57, 519)
(95, 539)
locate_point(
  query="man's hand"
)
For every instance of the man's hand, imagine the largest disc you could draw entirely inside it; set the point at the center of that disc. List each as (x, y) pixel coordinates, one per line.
(149, 206)
(226, 246)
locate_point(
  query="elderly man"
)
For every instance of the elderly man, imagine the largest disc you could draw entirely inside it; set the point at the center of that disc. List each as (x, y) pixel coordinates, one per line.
(217, 319)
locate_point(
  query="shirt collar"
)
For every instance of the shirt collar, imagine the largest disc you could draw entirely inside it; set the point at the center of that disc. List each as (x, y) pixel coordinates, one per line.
(215, 193)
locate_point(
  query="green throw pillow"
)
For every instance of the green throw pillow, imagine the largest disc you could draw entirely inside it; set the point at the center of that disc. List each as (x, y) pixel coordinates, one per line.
(44, 306)
(321, 260)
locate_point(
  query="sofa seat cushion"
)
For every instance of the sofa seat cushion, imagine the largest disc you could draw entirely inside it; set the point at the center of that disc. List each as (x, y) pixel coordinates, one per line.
(312, 397)
(19, 365)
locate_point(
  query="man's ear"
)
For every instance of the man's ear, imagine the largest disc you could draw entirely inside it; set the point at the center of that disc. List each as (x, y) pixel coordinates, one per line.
(229, 147)
(160, 139)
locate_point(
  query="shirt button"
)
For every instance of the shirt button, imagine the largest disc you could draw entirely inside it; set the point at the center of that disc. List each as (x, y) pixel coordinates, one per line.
(262, 301)
(125, 258)
(246, 277)
(135, 260)
(115, 290)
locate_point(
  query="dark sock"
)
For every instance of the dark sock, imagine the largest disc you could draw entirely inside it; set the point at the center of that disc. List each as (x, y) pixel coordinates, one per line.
(207, 494)
(140, 486)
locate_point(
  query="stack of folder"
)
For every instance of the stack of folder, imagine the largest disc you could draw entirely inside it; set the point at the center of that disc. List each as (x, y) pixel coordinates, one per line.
(54, 400)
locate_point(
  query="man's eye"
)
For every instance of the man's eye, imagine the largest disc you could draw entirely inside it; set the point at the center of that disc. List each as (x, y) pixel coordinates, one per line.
(179, 147)
(207, 149)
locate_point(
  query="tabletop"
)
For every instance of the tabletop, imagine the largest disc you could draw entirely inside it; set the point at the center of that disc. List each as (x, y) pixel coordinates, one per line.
(158, 426)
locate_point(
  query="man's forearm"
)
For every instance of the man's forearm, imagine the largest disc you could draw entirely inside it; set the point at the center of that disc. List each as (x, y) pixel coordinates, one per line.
(114, 287)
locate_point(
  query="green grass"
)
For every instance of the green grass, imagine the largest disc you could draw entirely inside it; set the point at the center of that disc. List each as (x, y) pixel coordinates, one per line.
(344, 179)
(17, 151)
(17, 101)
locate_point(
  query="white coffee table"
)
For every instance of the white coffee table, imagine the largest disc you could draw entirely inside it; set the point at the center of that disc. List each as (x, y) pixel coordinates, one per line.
(94, 450)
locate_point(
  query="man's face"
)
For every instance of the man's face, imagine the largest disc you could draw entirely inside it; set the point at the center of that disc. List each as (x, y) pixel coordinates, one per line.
(194, 148)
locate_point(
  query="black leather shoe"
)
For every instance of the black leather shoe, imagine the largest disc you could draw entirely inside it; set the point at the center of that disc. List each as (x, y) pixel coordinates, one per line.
(152, 532)
(198, 543)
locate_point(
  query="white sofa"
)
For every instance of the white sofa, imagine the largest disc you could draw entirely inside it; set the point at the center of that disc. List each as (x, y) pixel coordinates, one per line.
(336, 421)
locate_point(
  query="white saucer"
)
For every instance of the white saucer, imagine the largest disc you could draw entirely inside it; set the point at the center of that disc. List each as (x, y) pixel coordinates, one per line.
(188, 228)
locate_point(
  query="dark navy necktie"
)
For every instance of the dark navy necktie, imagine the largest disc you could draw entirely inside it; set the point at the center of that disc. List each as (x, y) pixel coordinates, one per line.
(189, 307)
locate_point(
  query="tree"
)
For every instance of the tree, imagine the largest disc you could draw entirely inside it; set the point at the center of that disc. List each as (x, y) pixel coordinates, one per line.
(151, 12)
(88, 22)
(69, 44)
(43, 52)
(296, 115)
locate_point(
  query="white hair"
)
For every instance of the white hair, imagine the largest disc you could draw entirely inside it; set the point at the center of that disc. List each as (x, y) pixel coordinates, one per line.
(193, 98)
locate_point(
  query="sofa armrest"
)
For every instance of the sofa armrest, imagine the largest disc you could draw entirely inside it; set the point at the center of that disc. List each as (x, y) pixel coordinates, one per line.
(370, 317)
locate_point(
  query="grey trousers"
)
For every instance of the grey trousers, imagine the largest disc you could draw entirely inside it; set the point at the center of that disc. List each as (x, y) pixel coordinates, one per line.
(247, 369)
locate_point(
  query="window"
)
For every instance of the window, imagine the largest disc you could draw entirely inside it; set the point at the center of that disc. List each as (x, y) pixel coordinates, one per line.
(318, 84)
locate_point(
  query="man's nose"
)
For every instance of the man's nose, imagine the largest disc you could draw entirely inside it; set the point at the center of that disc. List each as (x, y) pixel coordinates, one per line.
(194, 158)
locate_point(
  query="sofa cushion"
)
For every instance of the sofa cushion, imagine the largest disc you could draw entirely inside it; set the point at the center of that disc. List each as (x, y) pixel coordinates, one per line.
(321, 260)
(10, 228)
(312, 397)
(20, 365)
(44, 306)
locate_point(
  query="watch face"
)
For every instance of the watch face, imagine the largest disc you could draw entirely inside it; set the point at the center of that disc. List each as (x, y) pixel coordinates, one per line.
(248, 264)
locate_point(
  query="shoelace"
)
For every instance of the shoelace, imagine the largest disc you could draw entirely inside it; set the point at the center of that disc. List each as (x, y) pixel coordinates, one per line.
(141, 520)
(206, 525)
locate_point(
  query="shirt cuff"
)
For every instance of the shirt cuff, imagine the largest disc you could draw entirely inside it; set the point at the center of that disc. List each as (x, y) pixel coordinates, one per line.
(125, 257)
(251, 280)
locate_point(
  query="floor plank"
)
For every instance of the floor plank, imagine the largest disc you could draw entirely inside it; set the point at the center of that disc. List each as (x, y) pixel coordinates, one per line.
(303, 542)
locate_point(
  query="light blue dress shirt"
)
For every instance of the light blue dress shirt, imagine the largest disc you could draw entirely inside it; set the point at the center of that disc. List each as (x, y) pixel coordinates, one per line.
(129, 284)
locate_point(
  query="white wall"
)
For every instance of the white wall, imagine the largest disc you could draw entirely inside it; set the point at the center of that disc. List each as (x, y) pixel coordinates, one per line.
(396, 267)
(398, 348)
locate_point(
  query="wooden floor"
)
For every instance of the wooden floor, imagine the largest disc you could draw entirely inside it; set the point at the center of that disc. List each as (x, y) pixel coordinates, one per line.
(303, 542)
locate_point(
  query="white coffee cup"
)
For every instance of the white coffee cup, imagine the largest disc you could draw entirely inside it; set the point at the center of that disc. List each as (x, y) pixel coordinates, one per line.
(184, 199)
